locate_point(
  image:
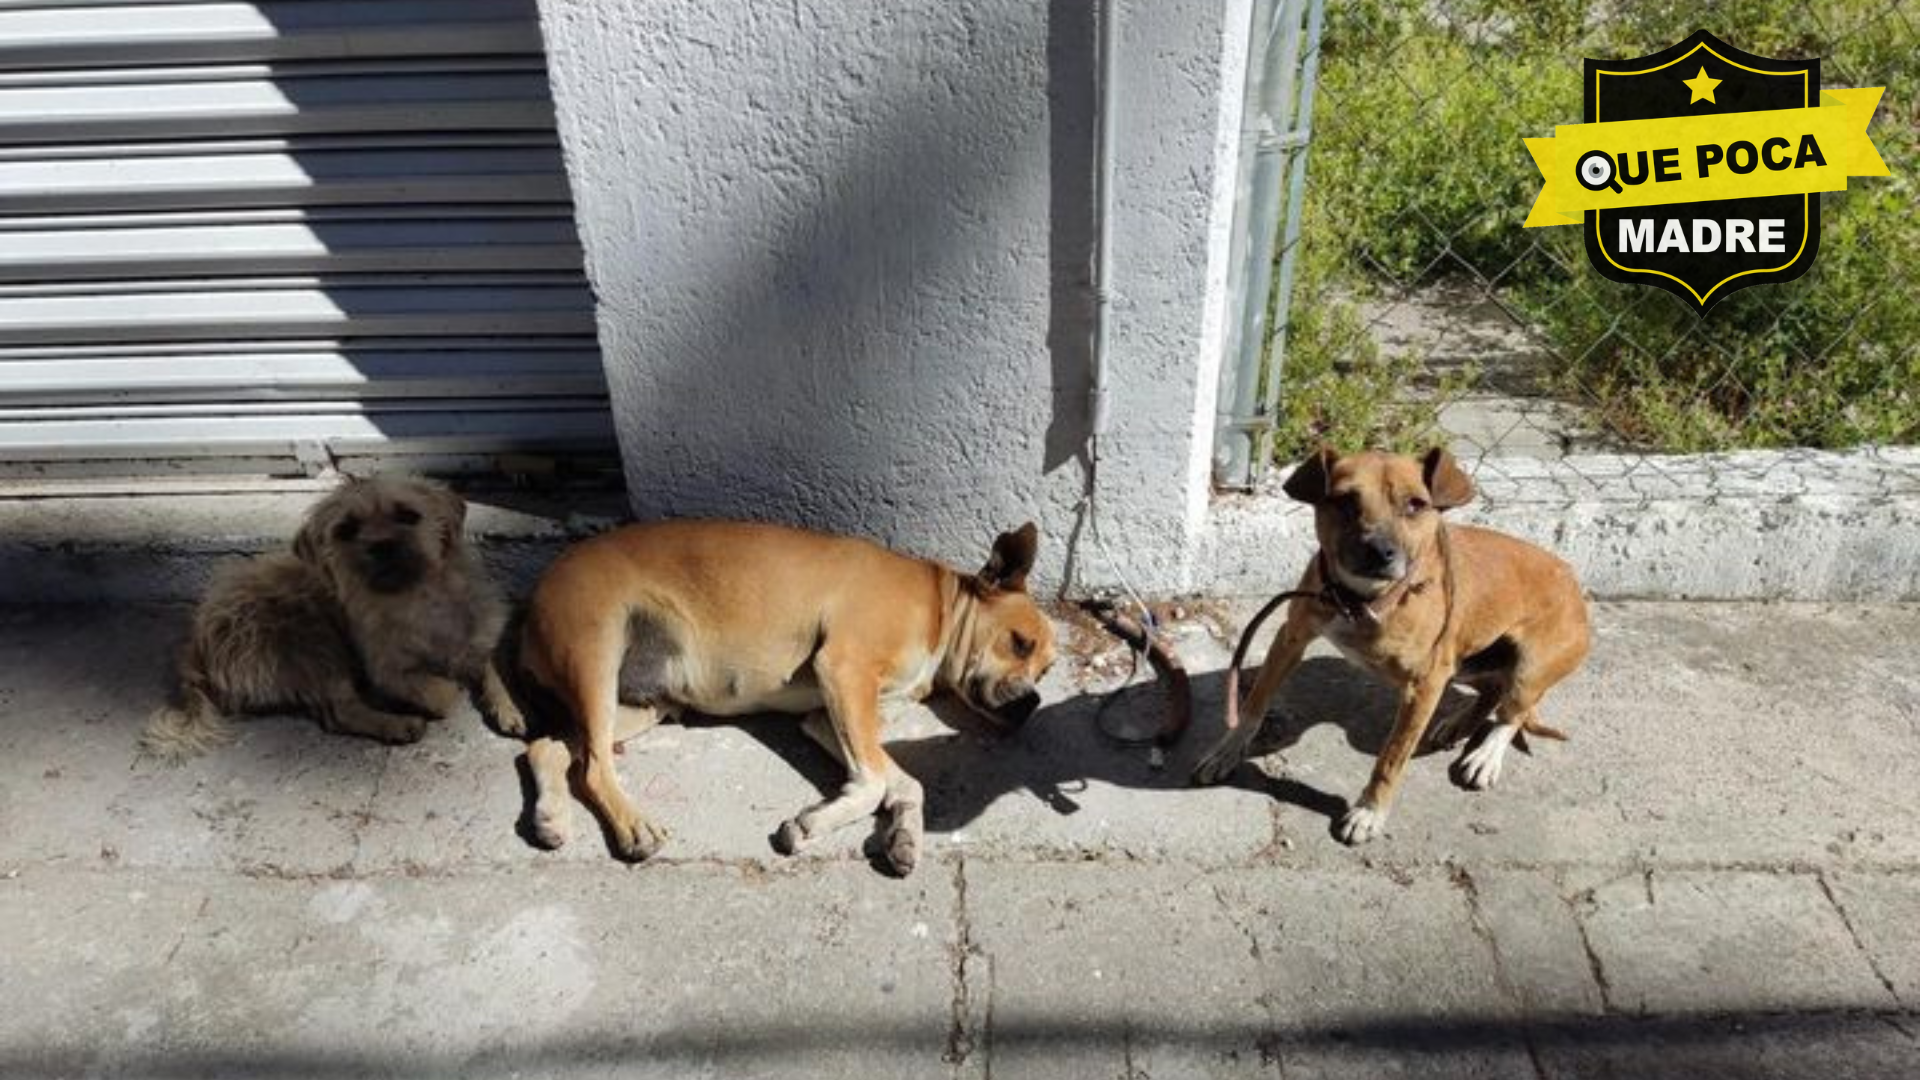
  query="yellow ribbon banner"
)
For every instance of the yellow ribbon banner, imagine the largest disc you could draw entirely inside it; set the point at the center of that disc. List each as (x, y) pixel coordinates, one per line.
(1686, 159)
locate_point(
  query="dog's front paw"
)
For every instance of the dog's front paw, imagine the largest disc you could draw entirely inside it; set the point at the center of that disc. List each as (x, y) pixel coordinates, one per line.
(509, 720)
(637, 840)
(497, 704)
(791, 837)
(402, 730)
(1359, 825)
(1218, 764)
(903, 849)
(550, 823)
(439, 697)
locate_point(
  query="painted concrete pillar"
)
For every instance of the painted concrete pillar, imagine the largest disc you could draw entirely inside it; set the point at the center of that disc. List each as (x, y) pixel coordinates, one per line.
(841, 251)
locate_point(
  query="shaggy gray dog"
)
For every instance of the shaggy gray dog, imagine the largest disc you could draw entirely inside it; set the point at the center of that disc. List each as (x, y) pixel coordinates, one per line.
(376, 619)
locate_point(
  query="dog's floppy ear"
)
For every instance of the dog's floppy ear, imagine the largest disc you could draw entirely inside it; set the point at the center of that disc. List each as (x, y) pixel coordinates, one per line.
(1012, 558)
(306, 543)
(1309, 480)
(1446, 482)
(310, 543)
(451, 509)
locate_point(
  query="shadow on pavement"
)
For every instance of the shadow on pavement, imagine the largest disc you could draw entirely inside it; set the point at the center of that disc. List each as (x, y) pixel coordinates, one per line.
(1060, 750)
(1738, 1046)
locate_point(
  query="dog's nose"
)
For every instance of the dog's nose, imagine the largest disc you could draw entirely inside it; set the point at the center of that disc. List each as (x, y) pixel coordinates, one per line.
(1380, 553)
(384, 549)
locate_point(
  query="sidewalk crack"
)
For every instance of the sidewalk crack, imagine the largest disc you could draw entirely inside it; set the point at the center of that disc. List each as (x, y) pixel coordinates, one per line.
(1269, 1044)
(986, 1022)
(1594, 964)
(367, 814)
(959, 1038)
(1482, 929)
(1854, 933)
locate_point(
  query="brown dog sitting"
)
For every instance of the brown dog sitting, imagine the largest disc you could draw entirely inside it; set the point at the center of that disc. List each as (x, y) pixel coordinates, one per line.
(1425, 605)
(377, 618)
(729, 618)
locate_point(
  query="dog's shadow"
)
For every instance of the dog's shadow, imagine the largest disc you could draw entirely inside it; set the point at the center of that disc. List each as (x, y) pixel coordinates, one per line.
(1061, 750)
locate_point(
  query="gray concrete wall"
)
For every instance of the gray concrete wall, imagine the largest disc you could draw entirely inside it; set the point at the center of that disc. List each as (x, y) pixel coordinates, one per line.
(841, 252)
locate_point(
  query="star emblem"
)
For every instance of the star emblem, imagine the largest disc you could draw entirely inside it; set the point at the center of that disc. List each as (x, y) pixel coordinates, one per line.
(1701, 87)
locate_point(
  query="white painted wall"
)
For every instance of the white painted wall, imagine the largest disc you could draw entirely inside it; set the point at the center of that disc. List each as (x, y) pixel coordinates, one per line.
(841, 255)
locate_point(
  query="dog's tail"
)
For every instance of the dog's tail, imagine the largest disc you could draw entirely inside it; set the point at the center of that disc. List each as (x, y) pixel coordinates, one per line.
(192, 727)
(1535, 727)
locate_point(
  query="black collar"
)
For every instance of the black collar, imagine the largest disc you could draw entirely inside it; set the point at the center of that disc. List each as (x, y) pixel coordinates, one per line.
(1353, 606)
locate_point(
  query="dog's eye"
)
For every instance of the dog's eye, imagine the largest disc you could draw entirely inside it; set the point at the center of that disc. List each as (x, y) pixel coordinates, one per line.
(347, 530)
(406, 515)
(1022, 645)
(1415, 505)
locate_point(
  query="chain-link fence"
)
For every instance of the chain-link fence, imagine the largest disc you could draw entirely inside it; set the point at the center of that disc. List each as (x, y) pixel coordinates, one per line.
(1423, 312)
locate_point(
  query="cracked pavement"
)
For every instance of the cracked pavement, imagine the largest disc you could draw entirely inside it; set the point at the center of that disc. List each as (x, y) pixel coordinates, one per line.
(1719, 875)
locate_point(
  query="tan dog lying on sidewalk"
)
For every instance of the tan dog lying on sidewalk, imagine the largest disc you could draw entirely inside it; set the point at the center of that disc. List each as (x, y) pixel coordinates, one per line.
(730, 618)
(1422, 604)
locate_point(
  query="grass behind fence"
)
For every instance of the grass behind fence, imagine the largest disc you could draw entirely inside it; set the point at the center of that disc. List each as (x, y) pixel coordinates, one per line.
(1418, 175)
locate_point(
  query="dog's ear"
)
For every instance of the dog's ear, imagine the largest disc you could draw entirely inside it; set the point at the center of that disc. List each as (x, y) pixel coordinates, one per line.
(310, 543)
(306, 544)
(452, 512)
(448, 512)
(1447, 483)
(1309, 480)
(1012, 558)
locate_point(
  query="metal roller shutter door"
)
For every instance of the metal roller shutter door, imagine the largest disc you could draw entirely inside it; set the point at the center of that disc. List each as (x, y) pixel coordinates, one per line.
(260, 237)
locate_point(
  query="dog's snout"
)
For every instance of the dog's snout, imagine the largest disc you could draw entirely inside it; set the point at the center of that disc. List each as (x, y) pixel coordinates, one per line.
(1375, 556)
(389, 563)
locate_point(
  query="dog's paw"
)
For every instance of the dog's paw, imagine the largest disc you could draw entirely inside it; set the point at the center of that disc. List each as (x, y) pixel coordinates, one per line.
(1480, 767)
(403, 730)
(1359, 825)
(550, 825)
(1217, 765)
(440, 697)
(638, 840)
(509, 720)
(791, 837)
(903, 849)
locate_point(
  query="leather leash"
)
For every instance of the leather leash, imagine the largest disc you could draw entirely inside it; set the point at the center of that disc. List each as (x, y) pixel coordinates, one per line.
(1165, 662)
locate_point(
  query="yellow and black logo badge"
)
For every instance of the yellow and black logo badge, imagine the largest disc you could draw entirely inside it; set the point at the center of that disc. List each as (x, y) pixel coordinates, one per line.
(1697, 167)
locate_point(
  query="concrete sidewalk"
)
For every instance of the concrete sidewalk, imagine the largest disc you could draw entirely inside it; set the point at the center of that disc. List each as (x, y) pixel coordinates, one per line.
(1719, 876)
